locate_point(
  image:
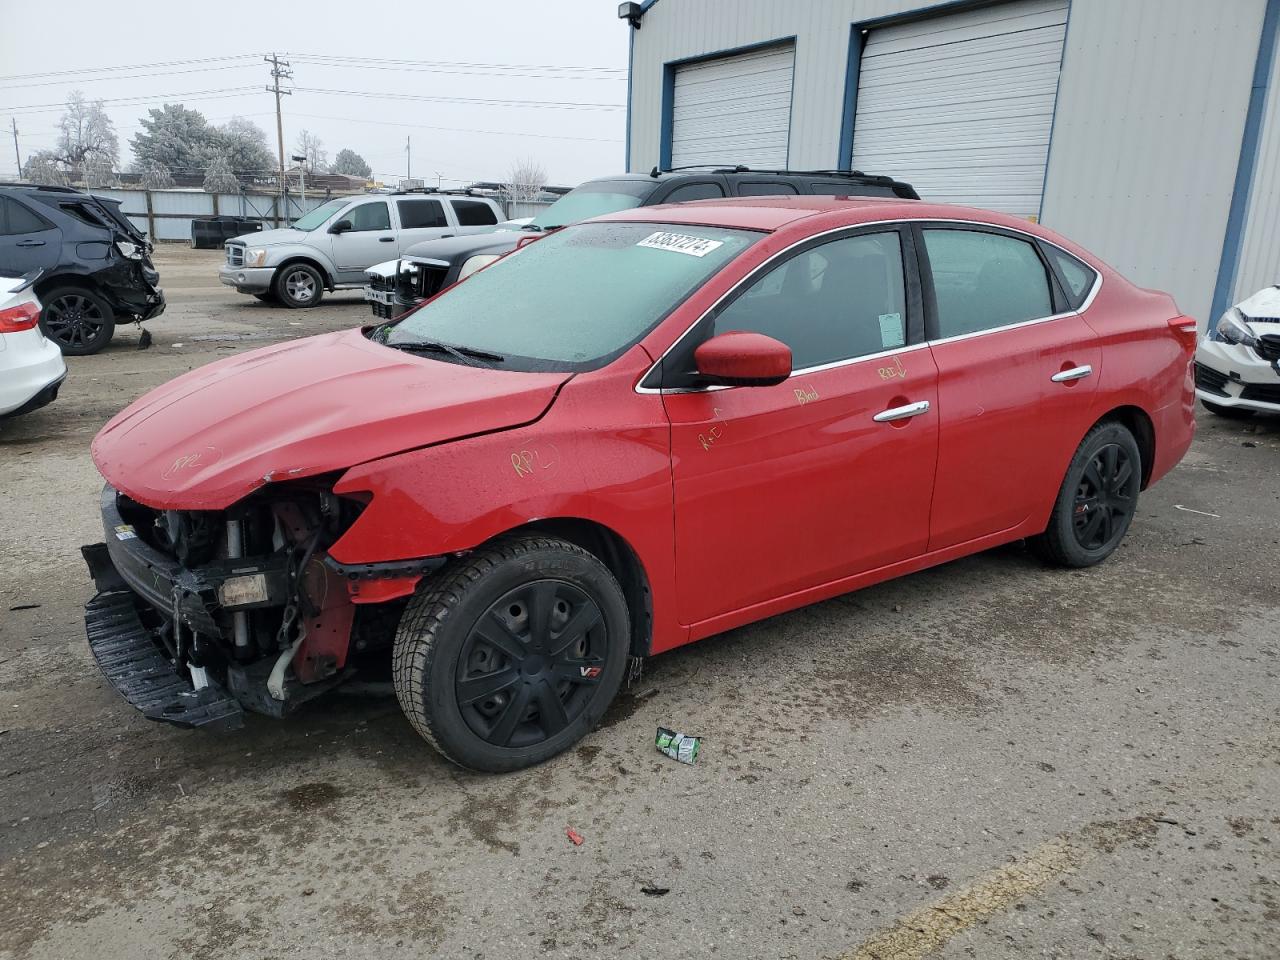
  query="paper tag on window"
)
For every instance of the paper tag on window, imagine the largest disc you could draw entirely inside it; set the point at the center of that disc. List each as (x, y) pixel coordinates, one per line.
(680, 243)
(891, 330)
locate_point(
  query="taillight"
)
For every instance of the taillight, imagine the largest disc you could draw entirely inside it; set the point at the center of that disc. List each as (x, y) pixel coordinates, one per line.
(1186, 330)
(22, 317)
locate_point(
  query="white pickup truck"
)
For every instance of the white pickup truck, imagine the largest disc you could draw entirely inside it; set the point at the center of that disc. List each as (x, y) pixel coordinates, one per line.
(331, 247)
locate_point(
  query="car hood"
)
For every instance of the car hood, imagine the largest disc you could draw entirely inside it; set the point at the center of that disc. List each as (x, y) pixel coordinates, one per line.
(266, 238)
(312, 406)
(1263, 306)
(449, 248)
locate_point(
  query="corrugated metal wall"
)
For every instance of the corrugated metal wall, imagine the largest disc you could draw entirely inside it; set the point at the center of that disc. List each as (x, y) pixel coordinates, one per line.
(174, 209)
(1259, 263)
(1146, 139)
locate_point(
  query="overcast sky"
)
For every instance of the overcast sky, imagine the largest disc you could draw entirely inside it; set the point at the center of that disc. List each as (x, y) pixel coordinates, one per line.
(554, 51)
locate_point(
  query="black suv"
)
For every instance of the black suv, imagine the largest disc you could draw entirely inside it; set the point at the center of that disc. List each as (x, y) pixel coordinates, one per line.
(430, 266)
(96, 265)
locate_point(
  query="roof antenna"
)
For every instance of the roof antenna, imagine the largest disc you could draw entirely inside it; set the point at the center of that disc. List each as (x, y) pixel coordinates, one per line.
(654, 172)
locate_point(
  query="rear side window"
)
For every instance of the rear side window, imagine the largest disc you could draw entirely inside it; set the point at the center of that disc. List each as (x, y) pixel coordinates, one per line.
(421, 213)
(985, 280)
(16, 219)
(844, 188)
(1077, 277)
(759, 189)
(694, 191)
(473, 213)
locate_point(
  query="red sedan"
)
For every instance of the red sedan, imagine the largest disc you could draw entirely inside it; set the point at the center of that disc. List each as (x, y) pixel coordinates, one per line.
(627, 436)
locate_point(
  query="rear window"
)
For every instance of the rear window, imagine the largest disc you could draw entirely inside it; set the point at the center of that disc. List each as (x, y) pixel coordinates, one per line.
(16, 219)
(473, 213)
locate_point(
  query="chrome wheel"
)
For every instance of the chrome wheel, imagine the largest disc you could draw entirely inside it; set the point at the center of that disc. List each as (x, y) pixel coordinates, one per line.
(301, 286)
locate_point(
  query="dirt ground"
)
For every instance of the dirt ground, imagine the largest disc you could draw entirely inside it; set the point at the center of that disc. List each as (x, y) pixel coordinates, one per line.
(989, 759)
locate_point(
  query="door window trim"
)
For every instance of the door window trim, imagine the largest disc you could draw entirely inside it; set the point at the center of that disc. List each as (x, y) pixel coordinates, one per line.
(911, 224)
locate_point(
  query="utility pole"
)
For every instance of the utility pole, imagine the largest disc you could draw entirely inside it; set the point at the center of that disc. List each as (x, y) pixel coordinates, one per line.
(280, 71)
(408, 157)
(16, 156)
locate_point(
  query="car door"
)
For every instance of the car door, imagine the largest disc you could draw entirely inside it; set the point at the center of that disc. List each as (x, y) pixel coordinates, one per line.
(1000, 335)
(829, 474)
(27, 240)
(422, 218)
(370, 240)
(473, 216)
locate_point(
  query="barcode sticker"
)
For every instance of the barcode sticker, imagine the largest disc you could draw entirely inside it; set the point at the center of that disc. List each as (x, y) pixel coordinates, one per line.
(680, 243)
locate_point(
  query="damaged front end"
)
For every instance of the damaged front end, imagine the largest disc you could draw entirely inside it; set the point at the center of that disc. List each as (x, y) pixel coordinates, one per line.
(201, 615)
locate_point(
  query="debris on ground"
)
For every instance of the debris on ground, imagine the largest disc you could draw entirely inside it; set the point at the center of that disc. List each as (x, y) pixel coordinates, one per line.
(678, 746)
(574, 836)
(1178, 506)
(652, 891)
(144, 340)
(24, 606)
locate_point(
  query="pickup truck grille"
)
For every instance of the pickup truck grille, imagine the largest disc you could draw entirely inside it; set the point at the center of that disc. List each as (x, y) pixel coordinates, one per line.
(235, 255)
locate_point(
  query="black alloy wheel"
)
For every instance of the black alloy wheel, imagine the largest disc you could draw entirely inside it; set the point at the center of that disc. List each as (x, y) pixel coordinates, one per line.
(78, 321)
(528, 666)
(1106, 497)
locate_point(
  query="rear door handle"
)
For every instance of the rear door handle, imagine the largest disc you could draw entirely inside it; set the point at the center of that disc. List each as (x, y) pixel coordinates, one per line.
(1075, 373)
(902, 413)
(30, 243)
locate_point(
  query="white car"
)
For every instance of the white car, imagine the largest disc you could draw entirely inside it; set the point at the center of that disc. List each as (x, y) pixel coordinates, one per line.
(1238, 363)
(31, 367)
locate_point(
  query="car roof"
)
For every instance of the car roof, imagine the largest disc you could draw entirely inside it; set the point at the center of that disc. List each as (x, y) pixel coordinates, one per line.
(773, 213)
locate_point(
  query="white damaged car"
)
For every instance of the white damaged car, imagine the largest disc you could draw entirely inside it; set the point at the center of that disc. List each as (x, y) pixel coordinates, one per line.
(1238, 362)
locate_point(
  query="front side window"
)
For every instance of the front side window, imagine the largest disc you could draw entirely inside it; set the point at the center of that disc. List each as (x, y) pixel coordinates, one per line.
(576, 298)
(836, 301)
(985, 280)
(473, 213)
(319, 215)
(421, 213)
(370, 216)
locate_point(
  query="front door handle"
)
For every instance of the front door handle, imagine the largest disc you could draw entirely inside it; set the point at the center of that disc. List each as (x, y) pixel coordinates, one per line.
(1075, 373)
(30, 243)
(902, 413)
(386, 239)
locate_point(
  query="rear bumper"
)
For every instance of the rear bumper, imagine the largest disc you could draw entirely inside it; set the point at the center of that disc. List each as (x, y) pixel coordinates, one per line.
(33, 380)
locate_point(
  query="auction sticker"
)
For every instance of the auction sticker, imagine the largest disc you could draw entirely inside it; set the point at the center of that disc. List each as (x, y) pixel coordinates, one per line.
(125, 531)
(680, 243)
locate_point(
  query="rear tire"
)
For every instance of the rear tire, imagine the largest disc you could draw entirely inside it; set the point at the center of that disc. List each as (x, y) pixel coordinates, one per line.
(1229, 413)
(78, 320)
(298, 285)
(1096, 502)
(511, 654)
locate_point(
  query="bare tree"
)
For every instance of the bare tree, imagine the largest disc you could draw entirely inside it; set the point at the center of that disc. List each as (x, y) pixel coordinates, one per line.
(526, 180)
(155, 175)
(312, 147)
(87, 143)
(218, 177)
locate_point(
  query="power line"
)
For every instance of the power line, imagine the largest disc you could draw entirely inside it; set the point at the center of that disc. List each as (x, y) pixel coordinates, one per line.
(501, 133)
(460, 63)
(461, 72)
(479, 101)
(148, 98)
(134, 76)
(81, 71)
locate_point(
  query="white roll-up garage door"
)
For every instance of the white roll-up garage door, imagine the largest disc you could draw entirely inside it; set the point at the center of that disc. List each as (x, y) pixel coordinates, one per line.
(961, 106)
(733, 110)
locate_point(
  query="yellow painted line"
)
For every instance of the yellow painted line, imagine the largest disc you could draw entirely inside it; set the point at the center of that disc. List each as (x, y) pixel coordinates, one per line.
(929, 928)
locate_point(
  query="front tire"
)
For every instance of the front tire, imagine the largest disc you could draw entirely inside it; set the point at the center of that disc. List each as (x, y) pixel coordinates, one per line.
(1229, 413)
(78, 320)
(298, 285)
(511, 655)
(1097, 500)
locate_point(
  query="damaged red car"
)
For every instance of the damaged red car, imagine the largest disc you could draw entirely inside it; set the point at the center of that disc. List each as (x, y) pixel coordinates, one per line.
(629, 435)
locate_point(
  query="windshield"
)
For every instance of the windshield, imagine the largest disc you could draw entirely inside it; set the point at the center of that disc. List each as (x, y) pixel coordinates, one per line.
(593, 199)
(319, 215)
(576, 298)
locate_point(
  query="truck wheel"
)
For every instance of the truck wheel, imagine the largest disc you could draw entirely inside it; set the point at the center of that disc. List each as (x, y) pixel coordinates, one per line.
(1097, 500)
(511, 654)
(298, 285)
(79, 321)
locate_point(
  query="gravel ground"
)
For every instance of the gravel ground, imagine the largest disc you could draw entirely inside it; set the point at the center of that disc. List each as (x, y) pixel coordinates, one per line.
(989, 759)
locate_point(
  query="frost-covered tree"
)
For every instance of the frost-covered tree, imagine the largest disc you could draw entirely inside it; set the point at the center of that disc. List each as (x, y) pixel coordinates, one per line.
(178, 138)
(312, 147)
(44, 167)
(351, 163)
(87, 143)
(218, 177)
(244, 146)
(526, 180)
(155, 175)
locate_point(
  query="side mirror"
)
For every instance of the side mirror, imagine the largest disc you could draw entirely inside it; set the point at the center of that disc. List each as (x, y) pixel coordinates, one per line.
(342, 226)
(741, 359)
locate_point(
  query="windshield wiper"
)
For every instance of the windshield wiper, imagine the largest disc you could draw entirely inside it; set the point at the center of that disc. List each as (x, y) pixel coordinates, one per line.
(462, 354)
(531, 227)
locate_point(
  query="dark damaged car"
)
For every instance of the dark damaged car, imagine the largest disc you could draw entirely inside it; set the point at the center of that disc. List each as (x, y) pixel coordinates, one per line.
(97, 268)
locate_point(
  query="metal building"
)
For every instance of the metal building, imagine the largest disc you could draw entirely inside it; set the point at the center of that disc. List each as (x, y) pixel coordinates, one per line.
(1146, 130)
